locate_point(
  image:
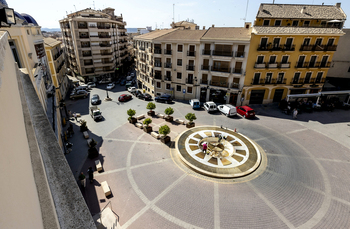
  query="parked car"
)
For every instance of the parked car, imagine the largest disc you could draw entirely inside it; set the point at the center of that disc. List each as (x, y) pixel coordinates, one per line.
(195, 104)
(137, 93)
(128, 84)
(144, 96)
(91, 84)
(124, 98)
(82, 87)
(95, 99)
(110, 86)
(210, 107)
(79, 94)
(122, 83)
(164, 98)
(246, 111)
(118, 81)
(132, 90)
(227, 109)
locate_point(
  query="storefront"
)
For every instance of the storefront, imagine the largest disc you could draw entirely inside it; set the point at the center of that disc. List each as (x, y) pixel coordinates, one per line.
(257, 97)
(203, 94)
(217, 96)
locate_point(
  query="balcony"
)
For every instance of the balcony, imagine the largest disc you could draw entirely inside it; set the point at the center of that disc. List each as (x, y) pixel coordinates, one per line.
(84, 37)
(167, 65)
(103, 27)
(239, 54)
(297, 81)
(106, 53)
(258, 81)
(190, 67)
(142, 59)
(157, 51)
(157, 64)
(88, 63)
(260, 65)
(206, 52)
(191, 53)
(225, 70)
(284, 65)
(276, 47)
(315, 80)
(85, 46)
(141, 48)
(222, 53)
(219, 84)
(237, 71)
(107, 62)
(82, 26)
(189, 81)
(167, 51)
(205, 67)
(167, 78)
(104, 36)
(272, 65)
(86, 54)
(205, 82)
(323, 48)
(235, 85)
(313, 65)
(158, 76)
(105, 45)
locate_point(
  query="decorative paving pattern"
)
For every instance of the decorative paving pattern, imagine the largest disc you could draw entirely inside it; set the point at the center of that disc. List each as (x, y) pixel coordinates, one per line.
(231, 157)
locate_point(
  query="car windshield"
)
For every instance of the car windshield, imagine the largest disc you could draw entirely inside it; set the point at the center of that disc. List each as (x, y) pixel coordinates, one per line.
(97, 113)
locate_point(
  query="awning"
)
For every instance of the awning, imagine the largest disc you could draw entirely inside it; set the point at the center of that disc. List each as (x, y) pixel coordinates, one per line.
(303, 95)
(334, 92)
(73, 79)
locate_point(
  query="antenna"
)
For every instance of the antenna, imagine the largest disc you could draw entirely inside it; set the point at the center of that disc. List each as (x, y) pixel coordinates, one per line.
(75, 8)
(173, 12)
(246, 11)
(94, 4)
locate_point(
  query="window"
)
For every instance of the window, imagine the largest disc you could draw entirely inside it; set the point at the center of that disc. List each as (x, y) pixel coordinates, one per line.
(158, 85)
(306, 23)
(277, 22)
(306, 42)
(178, 87)
(266, 22)
(256, 78)
(168, 85)
(179, 48)
(295, 23)
(296, 77)
(280, 77)
(272, 60)
(307, 77)
(319, 77)
(330, 41)
(268, 78)
(189, 90)
(179, 62)
(179, 75)
(263, 43)
(323, 23)
(28, 31)
(284, 59)
(276, 42)
(260, 60)
(318, 41)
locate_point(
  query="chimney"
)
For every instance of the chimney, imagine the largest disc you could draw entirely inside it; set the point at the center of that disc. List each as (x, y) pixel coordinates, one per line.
(203, 27)
(338, 5)
(303, 10)
(247, 25)
(213, 26)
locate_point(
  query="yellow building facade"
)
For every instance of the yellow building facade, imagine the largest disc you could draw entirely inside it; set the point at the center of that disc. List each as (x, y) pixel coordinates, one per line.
(291, 50)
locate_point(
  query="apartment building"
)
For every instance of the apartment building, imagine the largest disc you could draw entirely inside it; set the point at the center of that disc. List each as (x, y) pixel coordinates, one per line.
(95, 41)
(190, 63)
(291, 50)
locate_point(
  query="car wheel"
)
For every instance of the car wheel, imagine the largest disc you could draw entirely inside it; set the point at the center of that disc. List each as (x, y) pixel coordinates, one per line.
(227, 115)
(166, 102)
(244, 116)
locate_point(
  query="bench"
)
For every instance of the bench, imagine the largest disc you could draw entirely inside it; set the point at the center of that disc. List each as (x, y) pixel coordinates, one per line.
(179, 121)
(140, 117)
(86, 134)
(105, 188)
(155, 135)
(160, 116)
(78, 115)
(139, 125)
(98, 165)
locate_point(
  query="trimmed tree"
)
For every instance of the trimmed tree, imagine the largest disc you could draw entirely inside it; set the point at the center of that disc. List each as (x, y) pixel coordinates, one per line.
(151, 106)
(164, 130)
(190, 117)
(131, 113)
(83, 126)
(169, 111)
(146, 122)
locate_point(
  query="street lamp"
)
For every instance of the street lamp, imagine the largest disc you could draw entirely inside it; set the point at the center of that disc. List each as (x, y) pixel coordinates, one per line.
(195, 86)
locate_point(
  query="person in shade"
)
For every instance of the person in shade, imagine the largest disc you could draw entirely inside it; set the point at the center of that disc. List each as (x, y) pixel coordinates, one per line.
(91, 174)
(82, 179)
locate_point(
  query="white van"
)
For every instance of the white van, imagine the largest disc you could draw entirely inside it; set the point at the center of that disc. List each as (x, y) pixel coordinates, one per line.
(228, 110)
(210, 107)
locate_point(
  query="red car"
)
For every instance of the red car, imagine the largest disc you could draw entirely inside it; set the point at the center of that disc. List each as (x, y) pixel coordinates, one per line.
(246, 111)
(124, 98)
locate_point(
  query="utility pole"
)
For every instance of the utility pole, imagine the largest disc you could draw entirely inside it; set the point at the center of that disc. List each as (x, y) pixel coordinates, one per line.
(173, 12)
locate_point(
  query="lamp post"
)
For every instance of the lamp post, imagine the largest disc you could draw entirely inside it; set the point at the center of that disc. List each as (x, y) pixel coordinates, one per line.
(195, 86)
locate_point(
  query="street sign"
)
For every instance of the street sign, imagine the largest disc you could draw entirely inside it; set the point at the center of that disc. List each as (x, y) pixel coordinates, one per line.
(184, 91)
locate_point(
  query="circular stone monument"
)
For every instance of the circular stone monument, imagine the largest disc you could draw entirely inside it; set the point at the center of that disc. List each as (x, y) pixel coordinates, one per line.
(229, 154)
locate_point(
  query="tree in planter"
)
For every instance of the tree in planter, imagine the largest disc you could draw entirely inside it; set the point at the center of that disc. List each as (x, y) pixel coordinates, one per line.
(83, 126)
(164, 130)
(147, 128)
(190, 117)
(92, 152)
(131, 113)
(169, 111)
(151, 106)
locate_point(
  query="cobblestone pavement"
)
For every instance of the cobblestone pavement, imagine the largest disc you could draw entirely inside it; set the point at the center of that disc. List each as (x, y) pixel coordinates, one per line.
(305, 183)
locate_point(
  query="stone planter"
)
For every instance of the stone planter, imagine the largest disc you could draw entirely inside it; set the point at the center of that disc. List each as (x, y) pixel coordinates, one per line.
(133, 120)
(169, 118)
(92, 153)
(150, 113)
(190, 124)
(165, 139)
(147, 129)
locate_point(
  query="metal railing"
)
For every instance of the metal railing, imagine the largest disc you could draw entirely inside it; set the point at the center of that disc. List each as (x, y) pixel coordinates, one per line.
(167, 51)
(205, 67)
(222, 53)
(206, 52)
(225, 70)
(191, 53)
(190, 67)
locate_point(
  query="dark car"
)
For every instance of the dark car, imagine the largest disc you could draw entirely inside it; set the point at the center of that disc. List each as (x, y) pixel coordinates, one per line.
(122, 83)
(164, 98)
(95, 99)
(144, 96)
(246, 111)
(137, 93)
(124, 98)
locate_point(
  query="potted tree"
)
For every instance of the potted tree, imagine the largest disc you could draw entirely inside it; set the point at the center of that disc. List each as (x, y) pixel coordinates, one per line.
(92, 151)
(131, 113)
(147, 128)
(151, 106)
(190, 117)
(169, 111)
(83, 126)
(164, 130)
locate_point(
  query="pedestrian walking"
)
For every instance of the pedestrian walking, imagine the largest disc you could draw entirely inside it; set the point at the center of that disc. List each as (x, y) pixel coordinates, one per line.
(295, 113)
(75, 116)
(91, 174)
(82, 179)
(205, 148)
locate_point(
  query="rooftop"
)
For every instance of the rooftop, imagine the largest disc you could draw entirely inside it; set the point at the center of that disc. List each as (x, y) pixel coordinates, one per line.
(295, 30)
(183, 35)
(293, 11)
(154, 34)
(51, 42)
(227, 33)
